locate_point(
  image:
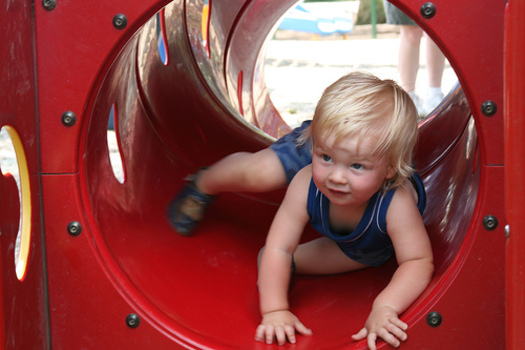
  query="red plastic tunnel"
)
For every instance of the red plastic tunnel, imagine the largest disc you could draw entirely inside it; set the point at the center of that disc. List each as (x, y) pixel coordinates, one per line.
(184, 83)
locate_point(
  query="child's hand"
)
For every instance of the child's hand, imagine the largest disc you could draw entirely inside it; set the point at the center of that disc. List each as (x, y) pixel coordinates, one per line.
(280, 325)
(384, 323)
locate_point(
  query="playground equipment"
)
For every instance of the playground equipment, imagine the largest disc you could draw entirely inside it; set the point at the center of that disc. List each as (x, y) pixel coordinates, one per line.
(100, 268)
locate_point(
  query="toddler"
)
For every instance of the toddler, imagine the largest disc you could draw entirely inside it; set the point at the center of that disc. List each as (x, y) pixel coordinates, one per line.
(350, 176)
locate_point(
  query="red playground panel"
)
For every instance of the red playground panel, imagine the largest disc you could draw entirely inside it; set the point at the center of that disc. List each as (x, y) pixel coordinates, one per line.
(99, 266)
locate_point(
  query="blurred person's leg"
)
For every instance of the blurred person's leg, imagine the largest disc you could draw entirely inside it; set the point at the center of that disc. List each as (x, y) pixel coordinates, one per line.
(435, 61)
(408, 61)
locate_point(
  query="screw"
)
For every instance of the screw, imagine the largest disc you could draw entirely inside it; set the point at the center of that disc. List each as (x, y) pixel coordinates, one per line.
(434, 319)
(69, 118)
(49, 5)
(490, 222)
(74, 228)
(489, 108)
(133, 320)
(120, 21)
(428, 10)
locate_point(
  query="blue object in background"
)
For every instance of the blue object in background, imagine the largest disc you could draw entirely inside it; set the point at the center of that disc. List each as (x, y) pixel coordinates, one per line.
(302, 20)
(111, 119)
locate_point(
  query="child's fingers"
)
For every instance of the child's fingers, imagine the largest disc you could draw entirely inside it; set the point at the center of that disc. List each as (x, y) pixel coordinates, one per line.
(360, 335)
(302, 329)
(371, 341)
(396, 321)
(269, 333)
(389, 338)
(397, 332)
(290, 334)
(265, 334)
(280, 335)
(392, 335)
(259, 333)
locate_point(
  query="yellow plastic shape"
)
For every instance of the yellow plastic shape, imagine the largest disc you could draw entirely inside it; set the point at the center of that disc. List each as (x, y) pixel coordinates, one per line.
(25, 204)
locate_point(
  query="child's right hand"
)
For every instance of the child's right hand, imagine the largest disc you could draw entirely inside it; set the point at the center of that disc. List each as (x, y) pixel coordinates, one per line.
(280, 325)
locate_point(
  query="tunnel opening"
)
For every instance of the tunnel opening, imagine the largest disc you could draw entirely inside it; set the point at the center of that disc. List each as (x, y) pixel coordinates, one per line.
(205, 97)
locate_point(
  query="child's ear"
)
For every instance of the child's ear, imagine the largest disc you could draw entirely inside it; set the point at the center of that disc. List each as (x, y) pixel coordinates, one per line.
(391, 171)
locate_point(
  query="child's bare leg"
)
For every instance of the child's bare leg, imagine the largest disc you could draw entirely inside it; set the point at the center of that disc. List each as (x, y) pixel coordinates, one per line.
(243, 172)
(240, 172)
(322, 256)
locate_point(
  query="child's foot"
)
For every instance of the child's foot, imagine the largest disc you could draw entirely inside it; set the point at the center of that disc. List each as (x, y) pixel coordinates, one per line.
(187, 210)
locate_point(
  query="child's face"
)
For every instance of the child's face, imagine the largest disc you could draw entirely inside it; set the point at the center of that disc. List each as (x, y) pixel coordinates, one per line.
(349, 172)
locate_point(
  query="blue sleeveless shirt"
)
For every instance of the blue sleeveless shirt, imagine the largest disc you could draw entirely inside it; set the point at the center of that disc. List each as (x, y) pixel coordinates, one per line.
(369, 243)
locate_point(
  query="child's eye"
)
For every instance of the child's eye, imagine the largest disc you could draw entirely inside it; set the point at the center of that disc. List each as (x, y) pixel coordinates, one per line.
(357, 166)
(326, 158)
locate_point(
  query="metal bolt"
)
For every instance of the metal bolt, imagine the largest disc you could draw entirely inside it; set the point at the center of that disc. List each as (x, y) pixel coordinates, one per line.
(74, 228)
(434, 319)
(428, 10)
(69, 118)
(120, 21)
(490, 222)
(133, 320)
(489, 108)
(49, 5)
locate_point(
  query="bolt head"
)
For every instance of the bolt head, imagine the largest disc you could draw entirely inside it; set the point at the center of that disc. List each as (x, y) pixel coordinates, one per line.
(133, 320)
(428, 10)
(49, 5)
(489, 108)
(74, 228)
(69, 118)
(490, 222)
(120, 21)
(434, 319)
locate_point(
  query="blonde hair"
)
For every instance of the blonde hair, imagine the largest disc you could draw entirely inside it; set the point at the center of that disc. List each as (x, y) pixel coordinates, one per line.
(359, 104)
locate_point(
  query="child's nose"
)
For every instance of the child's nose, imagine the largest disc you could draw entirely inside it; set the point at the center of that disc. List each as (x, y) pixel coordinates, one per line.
(338, 175)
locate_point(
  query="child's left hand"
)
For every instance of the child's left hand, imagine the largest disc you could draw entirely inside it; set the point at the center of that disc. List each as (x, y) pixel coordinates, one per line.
(384, 323)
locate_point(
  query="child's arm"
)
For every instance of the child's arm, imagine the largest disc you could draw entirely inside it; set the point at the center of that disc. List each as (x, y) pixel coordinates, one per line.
(276, 261)
(414, 256)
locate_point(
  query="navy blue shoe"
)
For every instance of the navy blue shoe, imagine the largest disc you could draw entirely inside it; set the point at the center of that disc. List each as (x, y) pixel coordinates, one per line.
(187, 210)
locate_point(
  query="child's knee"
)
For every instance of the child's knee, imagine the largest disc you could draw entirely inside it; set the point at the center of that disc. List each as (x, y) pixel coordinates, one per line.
(265, 171)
